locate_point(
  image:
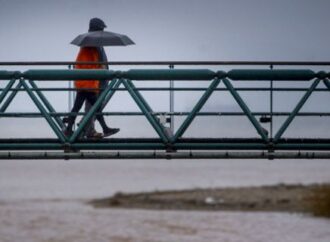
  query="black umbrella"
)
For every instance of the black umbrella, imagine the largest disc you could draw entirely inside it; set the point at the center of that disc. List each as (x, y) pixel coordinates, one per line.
(102, 38)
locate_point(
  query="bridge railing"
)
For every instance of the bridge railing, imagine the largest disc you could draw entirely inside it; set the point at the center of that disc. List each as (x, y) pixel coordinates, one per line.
(170, 143)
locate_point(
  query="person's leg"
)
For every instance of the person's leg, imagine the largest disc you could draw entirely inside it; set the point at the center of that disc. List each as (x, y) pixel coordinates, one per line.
(90, 128)
(106, 130)
(92, 98)
(79, 101)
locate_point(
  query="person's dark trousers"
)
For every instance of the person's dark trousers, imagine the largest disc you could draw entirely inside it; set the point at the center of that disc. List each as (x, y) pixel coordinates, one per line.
(90, 128)
(91, 97)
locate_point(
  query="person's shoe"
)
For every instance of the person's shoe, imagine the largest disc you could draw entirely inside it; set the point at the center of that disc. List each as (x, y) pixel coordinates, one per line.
(94, 135)
(110, 131)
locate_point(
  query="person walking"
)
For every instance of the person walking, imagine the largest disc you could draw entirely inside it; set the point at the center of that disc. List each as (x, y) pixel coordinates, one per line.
(88, 90)
(96, 24)
(91, 44)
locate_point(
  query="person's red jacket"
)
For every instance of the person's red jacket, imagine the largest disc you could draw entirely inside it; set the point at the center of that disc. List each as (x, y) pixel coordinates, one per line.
(88, 54)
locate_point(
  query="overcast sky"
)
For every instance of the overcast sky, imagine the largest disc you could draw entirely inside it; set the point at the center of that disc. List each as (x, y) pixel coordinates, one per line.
(41, 30)
(171, 29)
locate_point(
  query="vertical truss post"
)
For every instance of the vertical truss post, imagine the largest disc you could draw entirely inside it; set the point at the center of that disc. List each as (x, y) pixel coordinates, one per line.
(196, 109)
(43, 112)
(296, 110)
(91, 112)
(271, 105)
(47, 104)
(6, 90)
(245, 109)
(69, 93)
(146, 110)
(171, 103)
(10, 99)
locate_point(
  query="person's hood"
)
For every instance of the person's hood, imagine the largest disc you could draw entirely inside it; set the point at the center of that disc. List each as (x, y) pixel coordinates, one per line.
(96, 24)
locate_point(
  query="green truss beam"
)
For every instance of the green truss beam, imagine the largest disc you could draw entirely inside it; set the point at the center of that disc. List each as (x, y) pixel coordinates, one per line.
(10, 98)
(293, 114)
(146, 110)
(196, 109)
(245, 109)
(44, 112)
(165, 141)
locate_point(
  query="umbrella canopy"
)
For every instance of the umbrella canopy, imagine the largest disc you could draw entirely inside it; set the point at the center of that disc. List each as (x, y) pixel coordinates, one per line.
(102, 38)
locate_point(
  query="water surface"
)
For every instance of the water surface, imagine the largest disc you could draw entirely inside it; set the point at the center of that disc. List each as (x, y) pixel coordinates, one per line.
(45, 201)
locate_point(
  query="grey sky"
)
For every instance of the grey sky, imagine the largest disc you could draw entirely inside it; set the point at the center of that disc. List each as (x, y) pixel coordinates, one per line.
(41, 30)
(170, 30)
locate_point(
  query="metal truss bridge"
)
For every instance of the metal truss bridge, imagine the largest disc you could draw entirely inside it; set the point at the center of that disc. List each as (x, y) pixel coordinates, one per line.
(170, 143)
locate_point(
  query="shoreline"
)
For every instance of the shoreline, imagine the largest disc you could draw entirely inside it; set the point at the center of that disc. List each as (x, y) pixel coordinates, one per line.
(311, 199)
